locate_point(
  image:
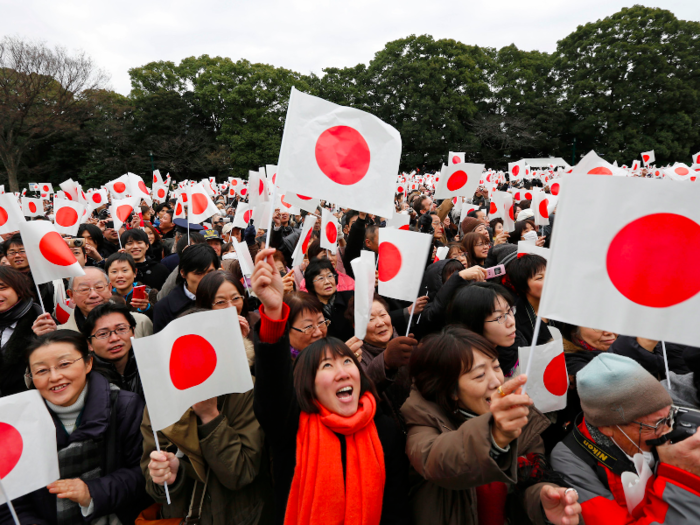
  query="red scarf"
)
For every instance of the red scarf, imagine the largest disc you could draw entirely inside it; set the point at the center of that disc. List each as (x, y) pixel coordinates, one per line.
(319, 495)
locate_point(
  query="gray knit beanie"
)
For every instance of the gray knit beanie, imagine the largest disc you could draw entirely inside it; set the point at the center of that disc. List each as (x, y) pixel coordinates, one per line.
(616, 390)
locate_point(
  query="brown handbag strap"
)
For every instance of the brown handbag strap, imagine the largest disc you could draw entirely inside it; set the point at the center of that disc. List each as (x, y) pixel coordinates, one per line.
(197, 501)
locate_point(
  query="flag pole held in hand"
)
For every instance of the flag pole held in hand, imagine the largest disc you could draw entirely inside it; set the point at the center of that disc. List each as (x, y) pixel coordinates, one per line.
(165, 483)
(532, 349)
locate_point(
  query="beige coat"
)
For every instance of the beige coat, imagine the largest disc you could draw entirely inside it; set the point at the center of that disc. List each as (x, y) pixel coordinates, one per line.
(453, 461)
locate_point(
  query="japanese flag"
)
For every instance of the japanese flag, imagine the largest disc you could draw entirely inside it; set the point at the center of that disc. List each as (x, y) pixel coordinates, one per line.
(121, 209)
(120, 187)
(11, 216)
(235, 184)
(284, 206)
(592, 164)
(245, 260)
(466, 208)
(554, 187)
(696, 158)
(67, 216)
(139, 189)
(29, 459)
(679, 172)
(548, 381)
(271, 172)
(458, 180)
(364, 270)
(540, 207)
(528, 248)
(32, 207)
(244, 212)
(402, 259)
(495, 211)
(257, 187)
(504, 204)
(160, 192)
(598, 273)
(400, 221)
(48, 254)
(304, 240)
(45, 187)
(200, 206)
(262, 215)
(63, 307)
(635, 165)
(340, 154)
(302, 201)
(180, 211)
(529, 195)
(516, 170)
(70, 188)
(456, 158)
(97, 198)
(329, 231)
(157, 177)
(194, 358)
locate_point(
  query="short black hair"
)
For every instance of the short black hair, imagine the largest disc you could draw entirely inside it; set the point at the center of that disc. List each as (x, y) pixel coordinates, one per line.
(72, 337)
(183, 242)
(314, 269)
(197, 259)
(94, 232)
(106, 309)
(135, 234)
(120, 256)
(16, 239)
(471, 305)
(524, 268)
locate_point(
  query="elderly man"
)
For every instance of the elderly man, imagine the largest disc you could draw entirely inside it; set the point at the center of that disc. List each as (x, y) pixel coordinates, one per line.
(624, 409)
(87, 292)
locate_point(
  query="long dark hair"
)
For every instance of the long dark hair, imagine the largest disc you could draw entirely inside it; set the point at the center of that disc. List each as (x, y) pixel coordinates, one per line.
(18, 281)
(468, 242)
(471, 305)
(209, 286)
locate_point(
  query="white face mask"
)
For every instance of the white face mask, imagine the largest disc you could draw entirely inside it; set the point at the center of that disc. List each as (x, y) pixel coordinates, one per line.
(648, 456)
(530, 236)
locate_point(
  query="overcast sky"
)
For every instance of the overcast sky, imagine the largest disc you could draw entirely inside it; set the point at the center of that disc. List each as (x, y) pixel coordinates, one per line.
(303, 35)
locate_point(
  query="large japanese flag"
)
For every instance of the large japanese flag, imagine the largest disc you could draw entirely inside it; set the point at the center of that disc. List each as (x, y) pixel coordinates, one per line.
(200, 206)
(329, 231)
(456, 157)
(121, 209)
(458, 180)
(67, 216)
(548, 381)
(402, 259)
(10, 213)
(363, 268)
(48, 254)
(29, 458)
(244, 212)
(32, 207)
(339, 154)
(194, 358)
(600, 272)
(304, 240)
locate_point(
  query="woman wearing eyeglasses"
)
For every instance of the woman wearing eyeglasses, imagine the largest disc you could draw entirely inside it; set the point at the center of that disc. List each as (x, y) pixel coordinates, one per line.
(98, 437)
(476, 246)
(321, 281)
(18, 311)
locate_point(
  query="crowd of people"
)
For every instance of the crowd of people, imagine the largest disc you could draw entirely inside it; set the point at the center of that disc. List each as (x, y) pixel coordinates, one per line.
(422, 421)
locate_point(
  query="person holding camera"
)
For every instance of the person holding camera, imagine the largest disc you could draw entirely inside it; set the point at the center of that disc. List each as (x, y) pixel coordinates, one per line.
(627, 412)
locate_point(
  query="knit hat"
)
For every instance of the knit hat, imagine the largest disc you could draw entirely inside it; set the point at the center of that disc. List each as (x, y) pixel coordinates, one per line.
(616, 390)
(504, 253)
(525, 215)
(469, 224)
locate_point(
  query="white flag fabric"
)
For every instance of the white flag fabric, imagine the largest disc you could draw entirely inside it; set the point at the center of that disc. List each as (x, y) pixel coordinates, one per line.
(517, 170)
(49, 256)
(97, 198)
(339, 154)
(257, 187)
(120, 188)
(45, 187)
(400, 221)
(458, 180)
(180, 211)
(200, 206)
(402, 259)
(592, 164)
(70, 188)
(67, 216)
(10, 213)
(364, 270)
(598, 272)
(284, 206)
(503, 201)
(648, 157)
(32, 207)
(139, 189)
(329, 231)
(540, 207)
(302, 201)
(548, 381)
(466, 208)
(262, 215)
(160, 192)
(244, 212)
(157, 177)
(194, 358)
(271, 173)
(121, 209)
(525, 247)
(304, 240)
(29, 459)
(244, 258)
(456, 157)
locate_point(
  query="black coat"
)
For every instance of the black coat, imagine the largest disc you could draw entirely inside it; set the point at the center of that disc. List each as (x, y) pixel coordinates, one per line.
(653, 362)
(122, 491)
(340, 326)
(277, 410)
(130, 380)
(13, 361)
(170, 307)
(152, 273)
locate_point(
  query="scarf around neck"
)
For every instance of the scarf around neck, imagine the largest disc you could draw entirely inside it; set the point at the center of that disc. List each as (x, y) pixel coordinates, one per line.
(319, 495)
(15, 313)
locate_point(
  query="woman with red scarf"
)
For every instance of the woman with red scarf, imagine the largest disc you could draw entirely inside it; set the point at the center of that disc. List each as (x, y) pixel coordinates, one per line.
(338, 458)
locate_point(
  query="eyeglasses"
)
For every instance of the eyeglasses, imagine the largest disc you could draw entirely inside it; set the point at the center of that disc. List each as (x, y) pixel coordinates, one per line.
(479, 244)
(43, 373)
(667, 421)
(501, 319)
(309, 329)
(459, 255)
(84, 290)
(16, 253)
(321, 278)
(231, 301)
(104, 334)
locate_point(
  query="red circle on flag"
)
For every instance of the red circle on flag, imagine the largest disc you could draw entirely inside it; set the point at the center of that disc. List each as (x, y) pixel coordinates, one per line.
(96, 198)
(456, 160)
(261, 187)
(178, 209)
(399, 189)
(331, 232)
(517, 196)
(123, 212)
(493, 208)
(234, 182)
(143, 187)
(645, 158)
(155, 179)
(404, 227)
(32, 207)
(284, 203)
(600, 170)
(46, 187)
(389, 261)
(3, 216)
(304, 197)
(511, 213)
(243, 192)
(247, 215)
(161, 193)
(66, 216)
(555, 188)
(184, 197)
(342, 154)
(639, 242)
(516, 170)
(56, 250)
(11, 445)
(199, 203)
(693, 179)
(554, 377)
(192, 361)
(528, 196)
(680, 170)
(274, 178)
(543, 208)
(457, 180)
(67, 195)
(305, 244)
(119, 187)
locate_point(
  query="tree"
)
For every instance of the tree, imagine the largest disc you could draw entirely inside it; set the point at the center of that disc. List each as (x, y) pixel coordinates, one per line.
(41, 95)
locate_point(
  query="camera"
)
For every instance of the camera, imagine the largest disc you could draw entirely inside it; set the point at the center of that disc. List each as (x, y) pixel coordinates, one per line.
(685, 424)
(76, 242)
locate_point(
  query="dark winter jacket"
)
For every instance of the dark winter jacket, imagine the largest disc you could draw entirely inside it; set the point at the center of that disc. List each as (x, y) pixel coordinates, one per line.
(129, 380)
(13, 361)
(170, 307)
(151, 273)
(653, 362)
